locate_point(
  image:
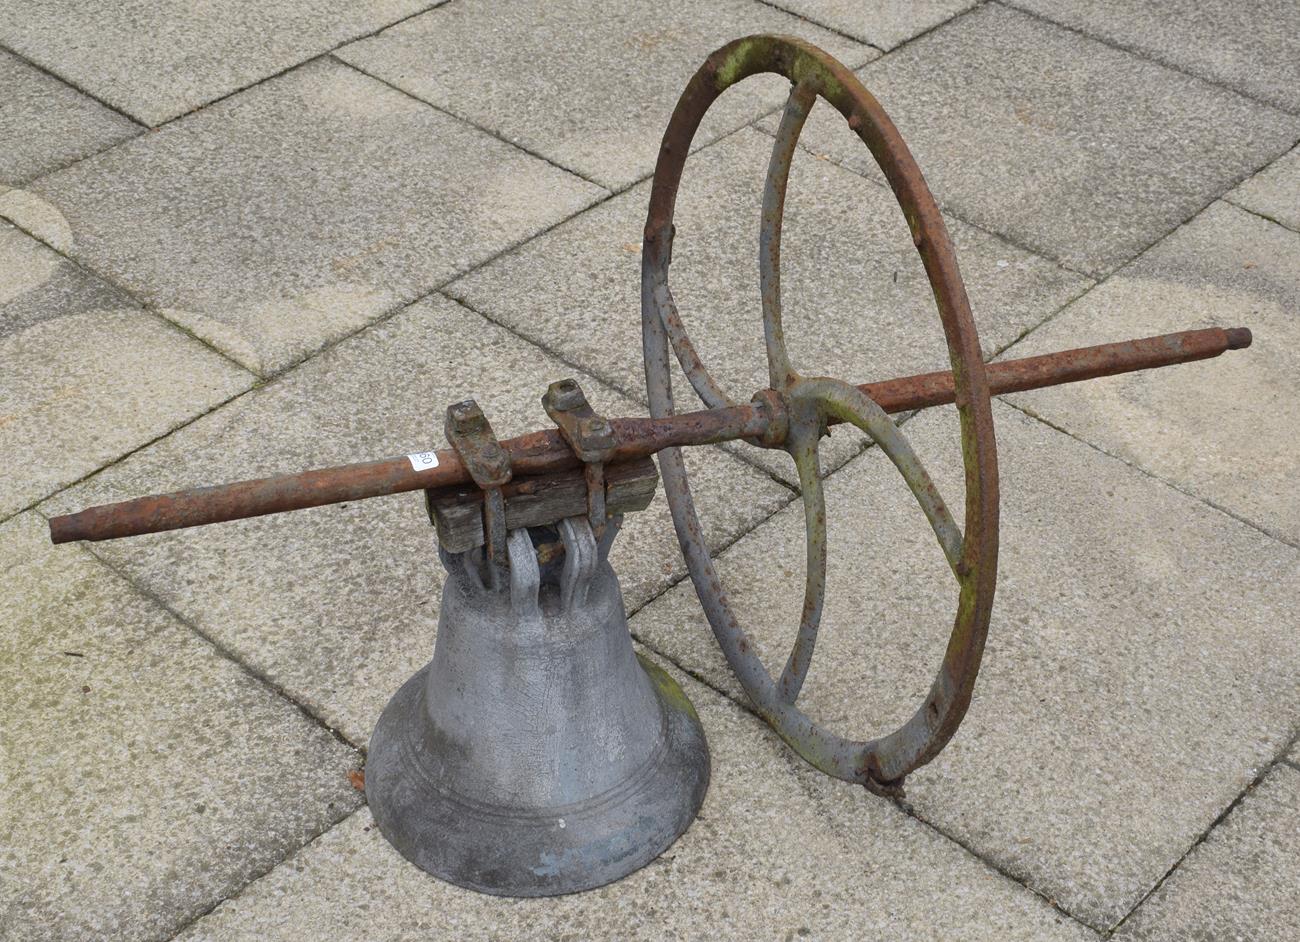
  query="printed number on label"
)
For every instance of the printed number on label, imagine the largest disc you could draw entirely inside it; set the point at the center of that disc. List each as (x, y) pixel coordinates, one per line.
(423, 460)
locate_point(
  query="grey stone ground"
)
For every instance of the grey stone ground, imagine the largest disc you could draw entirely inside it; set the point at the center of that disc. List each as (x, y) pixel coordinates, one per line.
(272, 236)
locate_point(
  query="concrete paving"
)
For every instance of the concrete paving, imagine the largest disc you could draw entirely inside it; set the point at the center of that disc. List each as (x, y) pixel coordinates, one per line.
(146, 776)
(1241, 882)
(45, 124)
(1257, 53)
(242, 241)
(592, 94)
(1085, 153)
(172, 57)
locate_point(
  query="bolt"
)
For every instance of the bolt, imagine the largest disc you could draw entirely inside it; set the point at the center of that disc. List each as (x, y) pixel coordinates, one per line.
(463, 414)
(566, 395)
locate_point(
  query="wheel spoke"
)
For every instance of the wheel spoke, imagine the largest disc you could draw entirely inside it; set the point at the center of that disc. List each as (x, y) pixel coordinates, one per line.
(656, 293)
(850, 404)
(804, 451)
(802, 97)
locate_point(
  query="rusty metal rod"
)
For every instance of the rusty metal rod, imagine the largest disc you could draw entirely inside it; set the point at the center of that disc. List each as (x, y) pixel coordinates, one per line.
(546, 451)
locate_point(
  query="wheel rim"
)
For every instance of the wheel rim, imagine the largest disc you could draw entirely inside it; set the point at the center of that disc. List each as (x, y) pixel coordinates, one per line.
(879, 763)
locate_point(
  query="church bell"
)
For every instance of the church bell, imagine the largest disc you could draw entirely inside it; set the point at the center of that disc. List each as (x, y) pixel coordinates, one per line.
(536, 754)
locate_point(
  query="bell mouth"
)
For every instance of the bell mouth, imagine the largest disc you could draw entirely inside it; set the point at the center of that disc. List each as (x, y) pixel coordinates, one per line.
(528, 851)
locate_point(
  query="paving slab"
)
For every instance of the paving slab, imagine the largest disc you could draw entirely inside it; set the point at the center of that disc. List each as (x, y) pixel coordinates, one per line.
(1274, 191)
(883, 23)
(167, 59)
(856, 301)
(1142, 662)
(1087, 154)
(85, 374)
(760, 862)
(1239, 884)
(589, 88)
(1224, 429)
(46, 124)
(1253, 48)
(145, 777)
(295, 213)
(339, 604)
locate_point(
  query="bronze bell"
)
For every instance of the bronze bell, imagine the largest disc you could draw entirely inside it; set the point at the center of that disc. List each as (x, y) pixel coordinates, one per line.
(536, 754)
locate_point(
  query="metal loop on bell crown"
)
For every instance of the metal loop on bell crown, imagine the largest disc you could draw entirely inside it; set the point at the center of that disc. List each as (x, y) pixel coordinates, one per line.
(525, 575)
(580, 561)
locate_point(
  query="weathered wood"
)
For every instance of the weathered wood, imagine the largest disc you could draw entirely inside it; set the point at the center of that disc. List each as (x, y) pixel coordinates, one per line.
(457, 511)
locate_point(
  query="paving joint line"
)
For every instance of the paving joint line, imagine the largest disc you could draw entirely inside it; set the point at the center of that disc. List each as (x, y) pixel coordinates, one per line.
(1119, 269)
(324, 53)
(1258, 528)
(1144, 54)
(113, 282)
(884, 52)
(1255, 212)
(1051, 316)
(491, 132)
(610, 190)
(1265, 770)
(438, 288)
(226, 653)
(266, 871)
(946, 210)
(73, 85)
(74, 161)
(35, 504)
(1019, 880)
(359, 752)
(674, 581)
(260, 383)
(443, 286)
(145, 128)
(1235, 182)
(804, 18)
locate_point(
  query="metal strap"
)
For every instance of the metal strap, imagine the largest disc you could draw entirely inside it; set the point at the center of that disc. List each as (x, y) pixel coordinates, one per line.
(469, 432)
(590, 436)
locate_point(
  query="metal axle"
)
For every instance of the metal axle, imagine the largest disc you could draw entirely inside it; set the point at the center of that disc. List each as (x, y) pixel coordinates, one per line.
(547, 451)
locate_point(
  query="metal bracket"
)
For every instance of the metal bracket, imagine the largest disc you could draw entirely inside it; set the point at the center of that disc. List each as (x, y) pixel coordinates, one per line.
(590, 436)
(469, 432)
